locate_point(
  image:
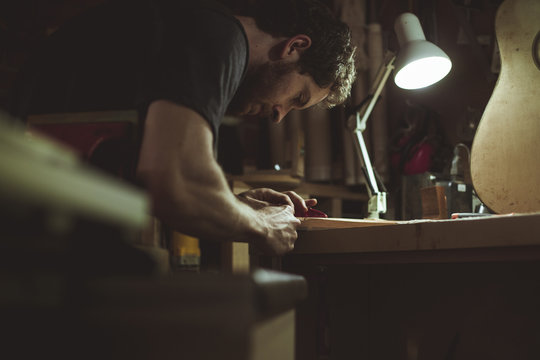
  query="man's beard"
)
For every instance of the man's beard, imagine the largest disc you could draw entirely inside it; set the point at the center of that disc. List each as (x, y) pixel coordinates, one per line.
(259, 87)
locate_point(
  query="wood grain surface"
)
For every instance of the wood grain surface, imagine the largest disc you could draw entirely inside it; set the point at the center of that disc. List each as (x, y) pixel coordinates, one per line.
(314, 223)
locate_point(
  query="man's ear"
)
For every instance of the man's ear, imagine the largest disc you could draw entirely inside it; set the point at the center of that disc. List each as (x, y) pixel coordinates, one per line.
(294, 46)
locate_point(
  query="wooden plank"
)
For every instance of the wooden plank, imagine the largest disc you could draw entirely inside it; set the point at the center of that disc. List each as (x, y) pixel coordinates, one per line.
(496, 231)
(313, 223)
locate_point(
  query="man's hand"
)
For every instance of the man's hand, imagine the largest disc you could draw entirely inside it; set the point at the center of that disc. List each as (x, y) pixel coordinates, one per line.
(280, 222)
(278, 211)
(258, 198)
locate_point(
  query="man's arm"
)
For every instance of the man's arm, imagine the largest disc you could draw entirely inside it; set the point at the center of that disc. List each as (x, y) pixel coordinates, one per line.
(189, 191)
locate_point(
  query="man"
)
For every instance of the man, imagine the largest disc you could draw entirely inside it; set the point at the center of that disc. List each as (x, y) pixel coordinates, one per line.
(184, 65)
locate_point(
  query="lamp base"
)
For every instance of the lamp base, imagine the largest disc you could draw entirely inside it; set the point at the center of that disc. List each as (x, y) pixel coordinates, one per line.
(376, 205)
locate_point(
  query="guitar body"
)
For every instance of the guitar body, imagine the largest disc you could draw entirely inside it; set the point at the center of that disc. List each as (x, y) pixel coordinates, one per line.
(505, 156)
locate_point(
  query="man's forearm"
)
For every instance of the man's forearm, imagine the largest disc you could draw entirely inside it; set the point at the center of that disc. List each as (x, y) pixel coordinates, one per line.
(189, 190)
(217, 214)
(201, 204)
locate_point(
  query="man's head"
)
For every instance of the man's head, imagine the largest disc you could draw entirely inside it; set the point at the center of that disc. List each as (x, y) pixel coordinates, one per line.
(330, 58)
(313, 64)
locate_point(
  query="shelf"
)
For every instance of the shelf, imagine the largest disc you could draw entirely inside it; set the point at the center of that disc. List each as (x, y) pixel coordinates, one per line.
(283, 181)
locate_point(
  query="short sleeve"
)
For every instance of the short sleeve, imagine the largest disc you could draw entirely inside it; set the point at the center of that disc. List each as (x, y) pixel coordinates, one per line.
(197, 59)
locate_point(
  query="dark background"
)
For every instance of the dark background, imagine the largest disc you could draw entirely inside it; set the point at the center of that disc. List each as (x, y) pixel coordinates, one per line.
(447, 113)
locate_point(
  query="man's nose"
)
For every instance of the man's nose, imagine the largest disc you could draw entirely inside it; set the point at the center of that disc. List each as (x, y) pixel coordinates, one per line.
(278, 113)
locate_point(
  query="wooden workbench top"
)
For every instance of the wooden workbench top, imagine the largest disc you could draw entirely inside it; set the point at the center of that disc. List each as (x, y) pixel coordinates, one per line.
(338, 236)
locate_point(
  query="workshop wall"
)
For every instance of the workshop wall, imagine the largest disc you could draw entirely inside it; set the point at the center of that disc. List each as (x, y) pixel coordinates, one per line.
(24, 25)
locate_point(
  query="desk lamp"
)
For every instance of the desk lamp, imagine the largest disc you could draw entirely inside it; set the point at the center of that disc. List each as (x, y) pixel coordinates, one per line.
(418, 64)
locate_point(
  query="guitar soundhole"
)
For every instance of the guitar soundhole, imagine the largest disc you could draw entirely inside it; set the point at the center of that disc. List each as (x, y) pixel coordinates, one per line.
(536, 50)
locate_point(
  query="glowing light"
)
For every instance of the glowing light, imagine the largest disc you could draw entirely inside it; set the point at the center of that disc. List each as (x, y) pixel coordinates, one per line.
(423, 72)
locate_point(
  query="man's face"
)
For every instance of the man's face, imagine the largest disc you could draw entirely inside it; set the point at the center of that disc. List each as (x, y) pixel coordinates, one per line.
(272, 90)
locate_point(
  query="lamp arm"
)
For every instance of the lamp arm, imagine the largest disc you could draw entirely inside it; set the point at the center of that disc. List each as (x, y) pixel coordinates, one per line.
(361, 150)
(378, 85)
(377, 201)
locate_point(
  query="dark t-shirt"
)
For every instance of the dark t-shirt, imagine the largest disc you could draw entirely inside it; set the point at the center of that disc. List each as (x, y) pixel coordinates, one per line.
(125, 54)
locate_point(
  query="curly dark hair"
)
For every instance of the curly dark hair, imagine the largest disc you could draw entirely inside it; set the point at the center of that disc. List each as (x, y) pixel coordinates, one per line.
(330, 58)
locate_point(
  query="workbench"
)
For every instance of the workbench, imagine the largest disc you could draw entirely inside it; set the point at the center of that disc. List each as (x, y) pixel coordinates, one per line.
(421, 289)
(498, 237)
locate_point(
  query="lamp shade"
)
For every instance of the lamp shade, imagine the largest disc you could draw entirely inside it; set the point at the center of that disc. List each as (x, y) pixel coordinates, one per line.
(419, 62)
